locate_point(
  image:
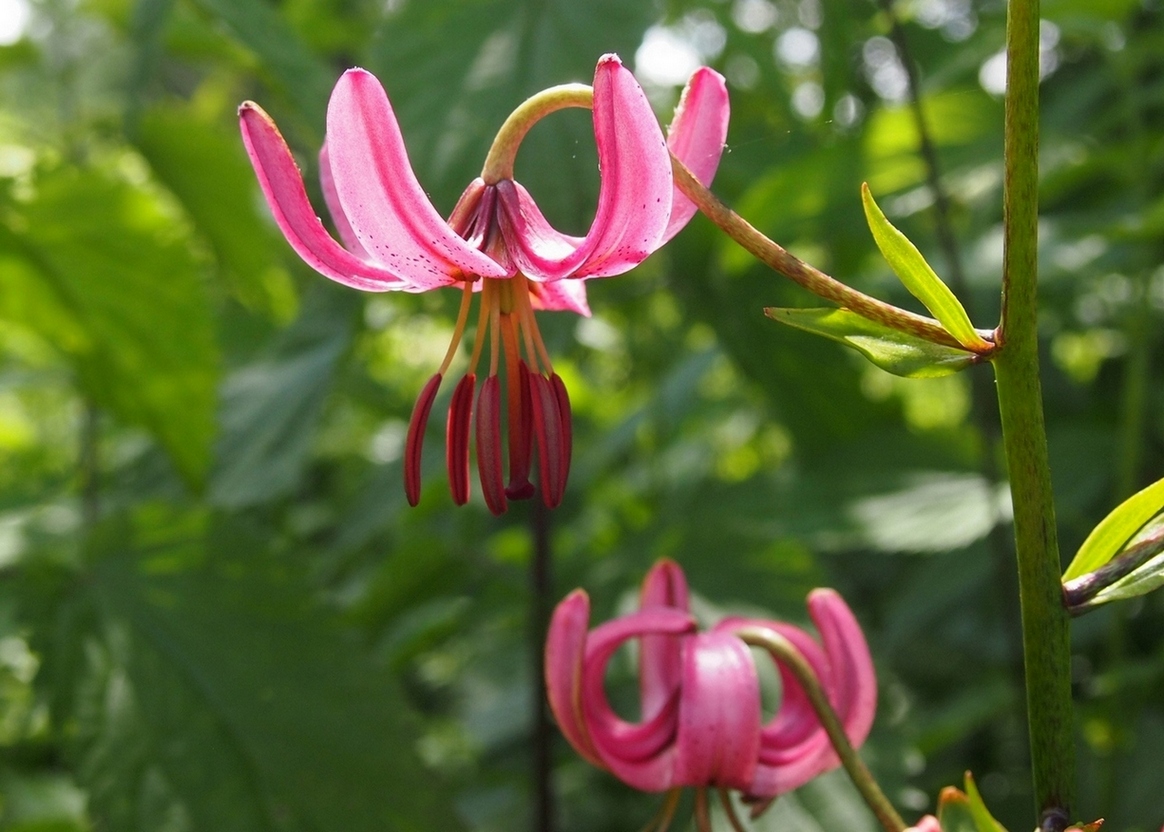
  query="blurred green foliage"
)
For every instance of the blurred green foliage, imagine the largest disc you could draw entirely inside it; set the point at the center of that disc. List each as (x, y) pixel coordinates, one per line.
(216, 610)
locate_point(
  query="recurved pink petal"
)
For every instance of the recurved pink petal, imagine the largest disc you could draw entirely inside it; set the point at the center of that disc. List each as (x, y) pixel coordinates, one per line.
(634, 199)
(640, 754)
(719, 713)
(565, 651)
(282, 185)
(380, 195)
(854, 683)
(661, 657)
(793, 746)
(696, 137)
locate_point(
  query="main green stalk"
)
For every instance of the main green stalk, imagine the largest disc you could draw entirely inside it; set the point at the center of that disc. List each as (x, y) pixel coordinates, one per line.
(1046, 639)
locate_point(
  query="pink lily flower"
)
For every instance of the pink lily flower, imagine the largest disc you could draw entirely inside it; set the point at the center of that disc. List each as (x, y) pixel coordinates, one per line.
(495, 242)
(701, 722)
(928, 823)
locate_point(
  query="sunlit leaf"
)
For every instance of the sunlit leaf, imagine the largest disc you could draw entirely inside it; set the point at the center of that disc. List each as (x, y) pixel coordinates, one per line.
(118, 262)
(890, 349)
(921, 280)
(299, 75)
(207, 170)
(1109, 537)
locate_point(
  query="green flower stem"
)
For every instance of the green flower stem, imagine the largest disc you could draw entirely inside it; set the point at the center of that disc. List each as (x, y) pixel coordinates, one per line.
(779, 259)
(1046, 639)
(788, 656)
(499, 161)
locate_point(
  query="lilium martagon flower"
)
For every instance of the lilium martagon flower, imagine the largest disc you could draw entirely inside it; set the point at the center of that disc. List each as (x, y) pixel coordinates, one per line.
(497, 243)
(700, 711)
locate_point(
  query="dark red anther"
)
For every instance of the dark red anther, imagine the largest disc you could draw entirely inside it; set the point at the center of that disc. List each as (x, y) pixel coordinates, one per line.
(520, 434)
(548, 429)
(489, 445)
(457, 438)
(564, 411)
(415, 438)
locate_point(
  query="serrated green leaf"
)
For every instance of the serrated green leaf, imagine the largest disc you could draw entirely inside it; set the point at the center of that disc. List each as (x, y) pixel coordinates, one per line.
(270, 408)
(302, 77)
(919, 278)
(244, 702)
(1114, 531)
(207, 170)
(114, 256)
(890, 349)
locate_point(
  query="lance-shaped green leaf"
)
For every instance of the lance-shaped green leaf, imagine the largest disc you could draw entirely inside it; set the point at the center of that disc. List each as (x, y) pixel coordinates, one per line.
(890, 349)
(954, 814)
(1114, 531)
(982, 817)
(921, 280)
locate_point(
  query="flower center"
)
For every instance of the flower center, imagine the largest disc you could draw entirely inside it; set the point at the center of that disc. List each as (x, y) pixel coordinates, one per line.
(536, 408)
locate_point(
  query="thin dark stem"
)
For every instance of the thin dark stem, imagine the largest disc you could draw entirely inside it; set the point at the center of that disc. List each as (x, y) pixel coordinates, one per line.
(541, 590)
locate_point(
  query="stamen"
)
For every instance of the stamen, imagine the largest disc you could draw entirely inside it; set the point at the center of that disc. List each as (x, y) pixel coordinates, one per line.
(567, 426)
(459, 329)
(535, 347)
(520, 434)
(702, 816)
(725, 800)
(489, 445)
(548, 429)
(483, 315)
(666, 813)
(415, 438)
(457, 438)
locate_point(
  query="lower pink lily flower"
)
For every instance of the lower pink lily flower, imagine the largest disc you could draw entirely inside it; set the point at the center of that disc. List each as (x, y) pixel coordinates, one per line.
(701, 722)
(495, 242)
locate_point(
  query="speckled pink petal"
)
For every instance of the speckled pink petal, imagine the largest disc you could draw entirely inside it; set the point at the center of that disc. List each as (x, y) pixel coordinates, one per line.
(282, 185)
(696, 137)
(661, 658)
(380, 195)
(640, 754)
(634, 200)
(718, 742)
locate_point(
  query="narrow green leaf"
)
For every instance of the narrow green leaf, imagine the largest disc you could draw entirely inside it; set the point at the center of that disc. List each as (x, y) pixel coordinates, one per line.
(921, 280)
(1148, 577)
(893, 351)
(1108, 538)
